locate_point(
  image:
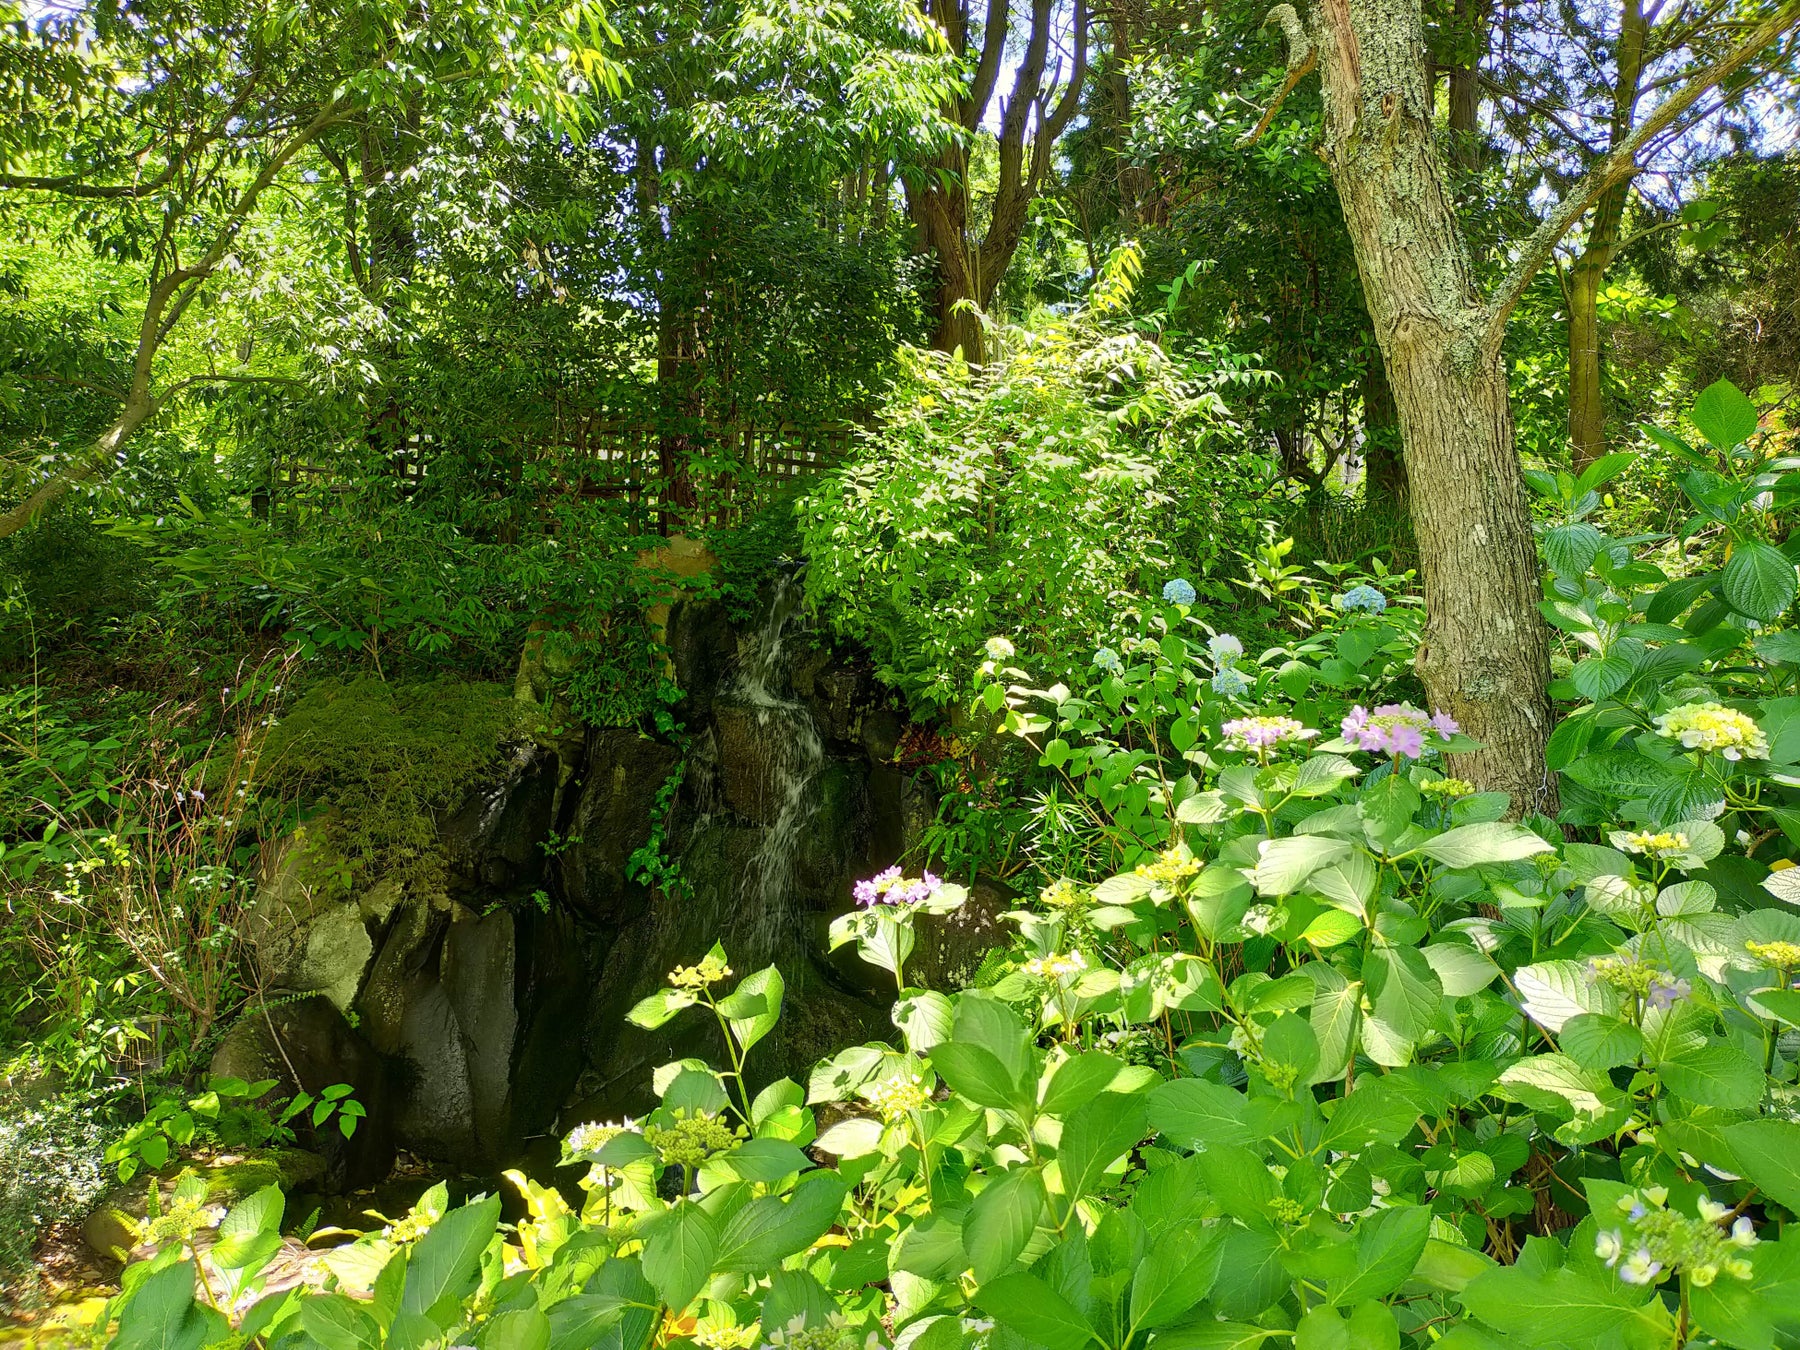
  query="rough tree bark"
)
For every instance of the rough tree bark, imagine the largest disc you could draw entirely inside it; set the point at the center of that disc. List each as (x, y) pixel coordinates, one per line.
(970, 268)
(1484, 657)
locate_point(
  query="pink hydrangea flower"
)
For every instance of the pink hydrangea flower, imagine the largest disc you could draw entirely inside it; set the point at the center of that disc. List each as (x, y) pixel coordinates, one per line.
(1397, 729)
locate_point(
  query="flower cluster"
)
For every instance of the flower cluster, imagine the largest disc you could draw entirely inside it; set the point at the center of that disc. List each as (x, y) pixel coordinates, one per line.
(692, 1138)
(1662, 1242)
(1447, 788)
(1064, 894)
(1657, 988)
(712, 1337)
(1362, 597)
(999, 649)
(1260, 733)
(1780, 955)
(1056, 966)
(835, 1334)
(896, 1098)
(1108, 660)
(889, 887)
(1225, 649)
(1653, 844)
(711, 970)
(587, 1140)
(1180, 591)
(1230, 681)
(1173, 866)
(1396, 729)
(1713, 727)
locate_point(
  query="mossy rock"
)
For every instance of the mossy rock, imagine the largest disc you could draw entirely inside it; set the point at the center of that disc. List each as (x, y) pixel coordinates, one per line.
(380, 763)
(111, 1230)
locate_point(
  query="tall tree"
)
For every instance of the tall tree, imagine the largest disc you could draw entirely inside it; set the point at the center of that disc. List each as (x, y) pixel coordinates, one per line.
(1569, 85)
(178, 118)
(972, 254)
(1485, 657)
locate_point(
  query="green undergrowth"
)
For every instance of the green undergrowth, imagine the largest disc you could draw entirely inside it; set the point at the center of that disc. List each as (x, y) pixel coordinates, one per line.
(374, 764)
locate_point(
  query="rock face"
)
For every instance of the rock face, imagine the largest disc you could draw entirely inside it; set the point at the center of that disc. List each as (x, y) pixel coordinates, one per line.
(577, 879)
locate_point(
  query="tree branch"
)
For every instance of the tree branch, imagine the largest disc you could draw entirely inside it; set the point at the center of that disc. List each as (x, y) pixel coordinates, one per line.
(1618, 165)
(1302, 56)
(987, 69)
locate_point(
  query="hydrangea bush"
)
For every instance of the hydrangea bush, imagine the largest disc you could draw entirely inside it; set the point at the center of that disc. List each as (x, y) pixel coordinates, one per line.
(1332, 1054)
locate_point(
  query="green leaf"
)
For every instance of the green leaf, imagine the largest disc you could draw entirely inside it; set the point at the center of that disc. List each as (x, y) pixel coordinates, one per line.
(1596, 677)
(1177, 1274)
(1284, 864)
(976, 1073)
(1768, 1154)
(161, 1314)
(1025, 1304)
(679, 1253)
(1212, 1336)
(1002, 1220)
(768, 1230)
(515, 1329)
(1555, 991)
(765, 987)
(1758, 581)
(445, 1262)
(1598, 1042)
(1197, 1114)
(765, 1160)
(1724, 415)
(652, 1012)
(1570, 549)
(1388, 1245)
(1565, 1307)
(1489, 841)
(1094, 1137)
(1322, 774)
(338, 1323)
(1717, 1075)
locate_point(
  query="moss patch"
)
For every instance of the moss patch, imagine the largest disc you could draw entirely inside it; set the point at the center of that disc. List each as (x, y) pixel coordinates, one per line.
(379, 761)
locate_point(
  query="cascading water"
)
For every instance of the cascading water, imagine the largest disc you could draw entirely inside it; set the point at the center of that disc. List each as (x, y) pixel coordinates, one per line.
(793, 754)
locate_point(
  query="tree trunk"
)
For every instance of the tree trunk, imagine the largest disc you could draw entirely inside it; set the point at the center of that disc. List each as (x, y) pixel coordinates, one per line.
(1383, 450)
(1472, 18)
(1484, 658)
(1587, 412)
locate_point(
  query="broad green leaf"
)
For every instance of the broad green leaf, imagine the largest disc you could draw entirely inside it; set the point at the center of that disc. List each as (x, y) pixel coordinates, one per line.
(1724, 415)
(1027, 1305)
(1002, 1220)
(1095, 1137)
(1599, 1042)
(1198, 1114)
(444, 1263)
(1388, 1245)
(1285, 864)
(768, 1230)
(976, 1073)
(1718, 1075)
(1555, 991)
(1566, 1308)
(1486, 842)
(657, 1009)
(1596, 677)
(678, 1256)
(1212, 1336)
(1177, 1274)
(1768, 1154)
(338, 1323)
(161, 1313)
(515, 1329)
(1758, 581)
(764, 988)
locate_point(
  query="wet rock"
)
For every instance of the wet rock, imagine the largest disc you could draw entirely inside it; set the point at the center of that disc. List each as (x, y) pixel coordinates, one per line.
(614, 816)
(482, 1017)
(494, 840)
(307, 1045)
(300, 937)
(951, 947)
(111, 1230)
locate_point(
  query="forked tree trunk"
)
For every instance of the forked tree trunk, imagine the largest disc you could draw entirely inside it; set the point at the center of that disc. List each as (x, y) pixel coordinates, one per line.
(1485, 657)
(1587, 411)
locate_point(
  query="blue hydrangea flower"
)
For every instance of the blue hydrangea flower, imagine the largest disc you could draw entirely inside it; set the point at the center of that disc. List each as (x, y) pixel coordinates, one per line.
(1226, 650)
(1230, 681)
(1178, 592)
(1362, 597)
(1108, 660)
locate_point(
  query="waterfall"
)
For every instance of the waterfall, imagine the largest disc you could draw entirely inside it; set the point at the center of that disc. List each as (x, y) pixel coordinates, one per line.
(793, 755)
